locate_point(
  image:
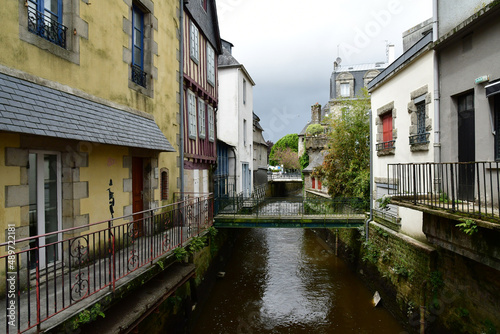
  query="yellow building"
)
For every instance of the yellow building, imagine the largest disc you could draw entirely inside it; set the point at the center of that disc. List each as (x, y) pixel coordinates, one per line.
(89, 108)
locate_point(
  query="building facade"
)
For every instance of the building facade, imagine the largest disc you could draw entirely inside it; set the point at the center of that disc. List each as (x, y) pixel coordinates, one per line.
(86, 115)
(202, 46)
(259, 153)
(235, 115)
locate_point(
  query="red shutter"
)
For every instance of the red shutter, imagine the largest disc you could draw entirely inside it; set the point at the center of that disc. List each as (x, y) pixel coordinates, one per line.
(313, 182)
(387, 125)
(319, 184)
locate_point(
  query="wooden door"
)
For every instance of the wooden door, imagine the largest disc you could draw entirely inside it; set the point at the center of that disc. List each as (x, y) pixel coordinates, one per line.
(466, 147)
(137, 193)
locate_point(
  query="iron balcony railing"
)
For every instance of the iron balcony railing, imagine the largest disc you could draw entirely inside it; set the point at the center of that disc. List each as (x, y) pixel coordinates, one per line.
(40, 279)
(46, 27)
(288, 207)
(387, 145)
(139, 76)
(421, 138)
(471, 188)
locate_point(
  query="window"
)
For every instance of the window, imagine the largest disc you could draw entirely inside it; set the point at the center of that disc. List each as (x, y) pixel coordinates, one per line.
(201, 118)
(387, 139)
(210, 65)
(45, 20)
(211, 123)
(191, 115)
(164, 184)
(422, 135)
(313, 180)
(345, 90)
(244, 91)
(138, 75)
(244, 132)
(194, 43)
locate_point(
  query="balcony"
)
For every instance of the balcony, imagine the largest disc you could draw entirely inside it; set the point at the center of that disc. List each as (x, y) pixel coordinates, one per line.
(421, 138)
(46, 27)
(469, 189)
(139, 76)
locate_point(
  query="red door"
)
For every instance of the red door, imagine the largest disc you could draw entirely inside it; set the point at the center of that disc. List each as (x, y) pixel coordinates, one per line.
(137, 191)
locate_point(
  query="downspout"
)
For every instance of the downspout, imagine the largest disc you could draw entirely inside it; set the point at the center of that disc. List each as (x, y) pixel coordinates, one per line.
(437, 129)
(367, 224)
(181, 93)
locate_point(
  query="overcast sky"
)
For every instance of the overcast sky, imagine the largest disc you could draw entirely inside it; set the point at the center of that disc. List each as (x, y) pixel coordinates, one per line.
(289, 47)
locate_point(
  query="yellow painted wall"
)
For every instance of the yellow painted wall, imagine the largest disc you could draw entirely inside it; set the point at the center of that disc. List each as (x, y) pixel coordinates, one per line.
(105, 163)
(102, 71)
(9, 176)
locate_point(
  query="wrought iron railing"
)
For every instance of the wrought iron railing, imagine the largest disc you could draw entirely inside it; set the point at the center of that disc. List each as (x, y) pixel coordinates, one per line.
(139, 76)
(471, 188)
(387, 145)
(421, 138)
(46, 27)
(288, 207)
(90, 259)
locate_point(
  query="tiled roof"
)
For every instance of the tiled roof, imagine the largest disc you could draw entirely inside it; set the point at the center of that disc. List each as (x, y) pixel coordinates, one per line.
(30, 108)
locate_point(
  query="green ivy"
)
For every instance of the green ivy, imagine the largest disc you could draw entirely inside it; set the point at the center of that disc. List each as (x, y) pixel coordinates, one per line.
(371, 252)
(87, 316)
(180, 253)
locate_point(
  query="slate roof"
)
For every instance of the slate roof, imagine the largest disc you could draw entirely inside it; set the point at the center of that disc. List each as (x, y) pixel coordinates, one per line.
(318, 161)
(30, 108)
(227, 59)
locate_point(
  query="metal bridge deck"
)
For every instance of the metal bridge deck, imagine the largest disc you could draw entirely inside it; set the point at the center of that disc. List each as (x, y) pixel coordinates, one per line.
(305, 221)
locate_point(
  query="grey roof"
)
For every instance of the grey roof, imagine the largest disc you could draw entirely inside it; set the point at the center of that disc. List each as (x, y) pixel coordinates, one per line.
(358, 72)
(303, 132)
(30, 108)
(227, 59)
(402, 60)
(207, 21)
(318, 161)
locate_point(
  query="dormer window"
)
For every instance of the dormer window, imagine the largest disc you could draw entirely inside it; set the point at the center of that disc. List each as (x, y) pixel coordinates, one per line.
(345, 90)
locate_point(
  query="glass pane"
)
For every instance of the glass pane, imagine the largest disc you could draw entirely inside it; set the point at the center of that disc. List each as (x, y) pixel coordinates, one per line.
(50, 202)
(33, 212)
(137, 19)
(51, 5)
(137, 38)
(137, 57)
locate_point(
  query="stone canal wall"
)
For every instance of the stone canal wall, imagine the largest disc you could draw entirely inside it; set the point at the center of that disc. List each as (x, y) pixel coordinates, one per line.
(455, 294)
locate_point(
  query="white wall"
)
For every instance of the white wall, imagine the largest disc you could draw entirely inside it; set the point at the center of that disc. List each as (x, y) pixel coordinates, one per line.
(398, 89)
(230, 115)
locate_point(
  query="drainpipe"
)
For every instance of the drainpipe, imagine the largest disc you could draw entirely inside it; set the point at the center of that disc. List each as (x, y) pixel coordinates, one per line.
(181, 93)
(437, 130)
(367, 223)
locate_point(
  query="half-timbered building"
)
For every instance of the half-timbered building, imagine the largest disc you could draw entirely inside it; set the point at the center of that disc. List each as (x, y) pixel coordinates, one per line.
(202, 45)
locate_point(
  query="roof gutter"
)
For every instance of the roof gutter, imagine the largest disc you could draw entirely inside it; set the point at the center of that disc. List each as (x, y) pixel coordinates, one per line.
(437, 130)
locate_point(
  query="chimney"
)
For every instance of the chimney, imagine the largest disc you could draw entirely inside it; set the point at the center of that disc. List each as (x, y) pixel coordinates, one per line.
(316, 113)
(390, 53)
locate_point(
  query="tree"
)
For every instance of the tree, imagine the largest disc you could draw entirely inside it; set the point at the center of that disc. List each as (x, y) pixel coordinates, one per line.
(287, 157)
(290, 140)
(314, 129)
(346, 168)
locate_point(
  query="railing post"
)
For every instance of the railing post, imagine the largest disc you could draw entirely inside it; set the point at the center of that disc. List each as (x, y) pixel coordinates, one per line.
(414, 185)
(452, 187)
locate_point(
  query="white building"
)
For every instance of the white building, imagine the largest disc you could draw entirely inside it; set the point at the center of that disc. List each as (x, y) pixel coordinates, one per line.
(402, 119)
(235, 116)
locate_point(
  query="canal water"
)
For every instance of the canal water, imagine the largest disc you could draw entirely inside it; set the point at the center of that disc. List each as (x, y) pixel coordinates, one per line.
(287, 281)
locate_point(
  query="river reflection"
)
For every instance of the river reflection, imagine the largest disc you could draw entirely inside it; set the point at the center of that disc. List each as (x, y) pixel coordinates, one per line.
(285, 281)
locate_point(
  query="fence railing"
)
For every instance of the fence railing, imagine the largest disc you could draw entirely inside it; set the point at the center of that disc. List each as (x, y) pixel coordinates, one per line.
(288, 207)
(46, 27)
(472, 188)
(287, 174)
(46, 274)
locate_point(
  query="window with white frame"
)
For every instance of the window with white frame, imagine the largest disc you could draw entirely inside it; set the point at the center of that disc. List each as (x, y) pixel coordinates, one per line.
(191, 114)
(201, 118)
(194, 42)
(211, 123)
(210, 65)
(345, 90)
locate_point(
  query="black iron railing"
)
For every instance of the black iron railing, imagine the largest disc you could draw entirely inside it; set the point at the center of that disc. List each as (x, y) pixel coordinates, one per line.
(297, 207)
(421, 138)
(139, 76)
(41, 279)
(471, 188)
(387, 145)
(46, 27)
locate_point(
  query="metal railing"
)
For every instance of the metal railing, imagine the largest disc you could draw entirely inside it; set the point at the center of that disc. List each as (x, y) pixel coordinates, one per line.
(288, 207)
(287, 174)
(139, 76)
(46, 27)
(471, 188)
(421, 138)
(387, 145)
(41, 279)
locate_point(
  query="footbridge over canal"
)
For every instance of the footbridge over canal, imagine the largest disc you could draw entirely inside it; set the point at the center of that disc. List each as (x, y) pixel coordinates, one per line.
(295, 212)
